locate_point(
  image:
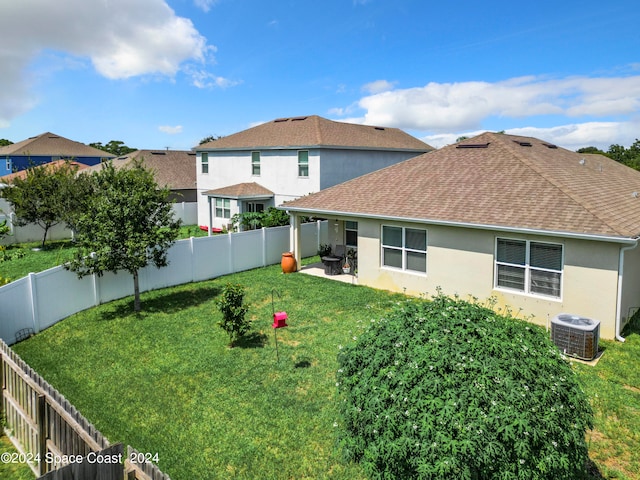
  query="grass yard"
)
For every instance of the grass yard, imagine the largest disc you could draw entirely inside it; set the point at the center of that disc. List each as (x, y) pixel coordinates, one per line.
(10, 465)
(613, 386)
(165, 381)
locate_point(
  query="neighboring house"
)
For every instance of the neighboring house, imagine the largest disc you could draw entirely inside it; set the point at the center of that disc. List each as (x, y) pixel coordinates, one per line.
(46, 148)
(541, 229)
(32, 232)
(286, 158)
(22, 174)
(175, 169)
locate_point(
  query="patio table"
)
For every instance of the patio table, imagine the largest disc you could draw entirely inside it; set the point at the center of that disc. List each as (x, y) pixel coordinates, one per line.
(332, 265)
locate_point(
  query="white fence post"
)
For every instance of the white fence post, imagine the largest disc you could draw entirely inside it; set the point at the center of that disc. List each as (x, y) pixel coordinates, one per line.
(231, 252)
(33, 294)
(264, 246)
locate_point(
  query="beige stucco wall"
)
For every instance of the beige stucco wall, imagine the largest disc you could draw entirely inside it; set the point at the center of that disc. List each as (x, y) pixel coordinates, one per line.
(630, 301)
(461, 261)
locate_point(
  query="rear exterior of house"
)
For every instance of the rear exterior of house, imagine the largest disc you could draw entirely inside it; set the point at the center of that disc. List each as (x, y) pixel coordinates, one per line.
(532, 226)
(287, 158)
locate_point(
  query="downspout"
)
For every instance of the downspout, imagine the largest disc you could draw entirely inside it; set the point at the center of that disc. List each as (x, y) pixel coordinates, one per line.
(619, 337)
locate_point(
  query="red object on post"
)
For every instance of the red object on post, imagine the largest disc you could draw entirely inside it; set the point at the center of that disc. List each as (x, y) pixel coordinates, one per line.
(279, 320)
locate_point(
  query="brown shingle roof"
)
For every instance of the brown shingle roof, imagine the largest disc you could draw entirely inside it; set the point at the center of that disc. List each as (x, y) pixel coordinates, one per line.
(50, 144)
(49, 166)
(241, 190)
(315, 131)
(175, 169)
(497, 180)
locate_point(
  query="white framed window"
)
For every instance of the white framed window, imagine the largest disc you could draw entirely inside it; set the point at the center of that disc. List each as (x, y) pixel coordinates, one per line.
(255, 163)
(204, 160)
(303, 163)
(351, 234)
(223, 208)
(529, 267)
(404, 248)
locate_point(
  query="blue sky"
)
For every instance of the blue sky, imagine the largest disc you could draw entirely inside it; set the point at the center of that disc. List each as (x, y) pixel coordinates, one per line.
(167, 73)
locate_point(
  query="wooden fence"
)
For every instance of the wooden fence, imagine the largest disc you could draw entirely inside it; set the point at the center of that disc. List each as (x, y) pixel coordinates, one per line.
(50, 433)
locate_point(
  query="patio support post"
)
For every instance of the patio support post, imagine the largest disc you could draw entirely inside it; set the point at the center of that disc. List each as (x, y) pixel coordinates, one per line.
(210, 216)
(296, 238)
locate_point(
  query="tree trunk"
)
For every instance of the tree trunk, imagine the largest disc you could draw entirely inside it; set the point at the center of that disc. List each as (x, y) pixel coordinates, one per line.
(44, 238)
(136, 292)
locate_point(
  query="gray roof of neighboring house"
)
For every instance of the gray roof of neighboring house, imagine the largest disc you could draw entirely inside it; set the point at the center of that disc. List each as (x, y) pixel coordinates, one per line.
(495, 180)
(315, 131)
(175, 169)
(50, 144)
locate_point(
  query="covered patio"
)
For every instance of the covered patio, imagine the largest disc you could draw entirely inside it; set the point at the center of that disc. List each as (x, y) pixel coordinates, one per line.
(318, 270)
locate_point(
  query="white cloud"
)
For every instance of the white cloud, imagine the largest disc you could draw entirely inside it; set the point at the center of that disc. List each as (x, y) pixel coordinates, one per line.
(378, 86)
(205, 5)
(446, 107)
(203, 79)
(122, 39)
(170, 130)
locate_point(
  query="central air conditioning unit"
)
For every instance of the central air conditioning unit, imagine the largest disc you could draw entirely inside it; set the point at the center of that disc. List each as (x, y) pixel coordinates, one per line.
(575, 335)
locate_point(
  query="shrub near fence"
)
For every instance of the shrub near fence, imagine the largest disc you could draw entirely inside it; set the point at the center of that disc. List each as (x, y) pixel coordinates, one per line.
(46, 428)
(42, 299)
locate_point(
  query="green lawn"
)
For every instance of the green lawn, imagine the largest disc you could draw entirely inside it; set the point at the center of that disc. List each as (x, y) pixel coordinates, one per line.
(10, 465)
(165, 381)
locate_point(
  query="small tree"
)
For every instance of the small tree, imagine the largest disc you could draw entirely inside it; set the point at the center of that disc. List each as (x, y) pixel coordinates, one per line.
(128, 224)
(38, 197)
(233, 312)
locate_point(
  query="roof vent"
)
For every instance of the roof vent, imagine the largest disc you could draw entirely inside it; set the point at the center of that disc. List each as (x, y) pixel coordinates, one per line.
(582, 161)
(550, 145)
(278, 120)
(297, 119)
(158, 153)
(523, 144)
(379, 128)
(473, 145)
(634, 194)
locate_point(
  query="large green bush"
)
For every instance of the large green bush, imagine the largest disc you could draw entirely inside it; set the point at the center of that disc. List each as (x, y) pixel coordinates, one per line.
(449, 389)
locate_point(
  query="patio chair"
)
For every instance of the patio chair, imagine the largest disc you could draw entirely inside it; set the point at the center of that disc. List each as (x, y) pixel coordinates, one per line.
(340, 251)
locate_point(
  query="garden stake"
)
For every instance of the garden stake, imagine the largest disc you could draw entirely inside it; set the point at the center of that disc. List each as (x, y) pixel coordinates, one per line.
(279, 321)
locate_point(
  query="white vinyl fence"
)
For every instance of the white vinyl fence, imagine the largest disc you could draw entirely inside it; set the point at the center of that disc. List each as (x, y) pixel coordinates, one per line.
(43, 299)
(185, 211)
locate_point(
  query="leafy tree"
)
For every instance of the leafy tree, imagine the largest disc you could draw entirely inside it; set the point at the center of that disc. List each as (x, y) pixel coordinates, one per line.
(115, 147)
(210, 138)
(461, 138)
(4, 142)
(233, 312)
(39, 196)
(450, 389)
(128, 224)
(272, 217)
(591, 150)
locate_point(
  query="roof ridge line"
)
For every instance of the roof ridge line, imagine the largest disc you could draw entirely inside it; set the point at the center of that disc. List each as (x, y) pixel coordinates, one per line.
(564, 189)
